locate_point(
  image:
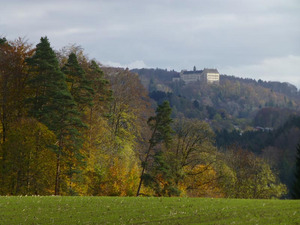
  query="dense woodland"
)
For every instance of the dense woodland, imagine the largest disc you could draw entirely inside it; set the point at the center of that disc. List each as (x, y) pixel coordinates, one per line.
(70, 126)
(257, 116)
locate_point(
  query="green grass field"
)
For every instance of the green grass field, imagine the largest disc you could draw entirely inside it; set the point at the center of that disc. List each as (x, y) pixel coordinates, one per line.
(142, 210)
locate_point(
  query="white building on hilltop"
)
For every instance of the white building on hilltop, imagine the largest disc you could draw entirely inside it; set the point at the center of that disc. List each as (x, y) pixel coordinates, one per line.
(211, 75)
(207, 75)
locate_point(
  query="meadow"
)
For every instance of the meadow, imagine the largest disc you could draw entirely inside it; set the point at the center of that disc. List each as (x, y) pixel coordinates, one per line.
(145, 210)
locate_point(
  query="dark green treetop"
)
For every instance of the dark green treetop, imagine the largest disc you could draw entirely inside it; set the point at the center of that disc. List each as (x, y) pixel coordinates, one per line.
(79, 86)
(161, 125)
(53, 105)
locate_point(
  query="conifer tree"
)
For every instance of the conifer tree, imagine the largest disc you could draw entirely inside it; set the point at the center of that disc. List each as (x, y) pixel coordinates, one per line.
(161, 133)
(296, 186)
(79, 86)
(99, 84)
(54, 106)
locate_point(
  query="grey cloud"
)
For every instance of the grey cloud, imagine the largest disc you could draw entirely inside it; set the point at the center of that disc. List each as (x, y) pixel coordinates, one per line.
(163, 33)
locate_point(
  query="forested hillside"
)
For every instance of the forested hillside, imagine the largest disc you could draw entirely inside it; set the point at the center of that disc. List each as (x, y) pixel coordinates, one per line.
(70, 126)
(257, 116)
(234, 102)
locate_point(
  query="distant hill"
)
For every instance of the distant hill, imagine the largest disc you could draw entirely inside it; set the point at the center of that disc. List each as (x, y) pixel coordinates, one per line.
(164, 75)
(234, 102)
(285, 87)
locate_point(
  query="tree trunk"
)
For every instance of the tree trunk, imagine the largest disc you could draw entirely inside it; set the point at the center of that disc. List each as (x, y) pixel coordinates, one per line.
(141, 181)
(57, 177)
(143, 170)
(145, 162)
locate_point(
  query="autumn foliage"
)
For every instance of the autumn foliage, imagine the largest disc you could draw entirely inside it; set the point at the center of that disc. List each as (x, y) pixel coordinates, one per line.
(70, 126)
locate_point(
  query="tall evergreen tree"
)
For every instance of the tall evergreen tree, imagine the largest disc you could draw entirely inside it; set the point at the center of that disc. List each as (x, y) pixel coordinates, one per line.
(99, 84)
(161, 133)
(79, 86)
(296, 186)
(54, 106)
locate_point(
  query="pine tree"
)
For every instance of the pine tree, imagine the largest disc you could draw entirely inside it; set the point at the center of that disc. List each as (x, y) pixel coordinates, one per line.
(296, 186)
(161, 125)
(161, 177)
(54, 106)
(99, 84)
(161, 133)
(79, 86)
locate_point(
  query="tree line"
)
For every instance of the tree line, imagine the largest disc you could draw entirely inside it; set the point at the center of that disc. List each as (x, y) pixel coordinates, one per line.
(72, 127)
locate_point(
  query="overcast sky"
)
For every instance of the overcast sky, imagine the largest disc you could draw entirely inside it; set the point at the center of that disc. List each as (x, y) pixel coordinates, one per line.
(258, 39)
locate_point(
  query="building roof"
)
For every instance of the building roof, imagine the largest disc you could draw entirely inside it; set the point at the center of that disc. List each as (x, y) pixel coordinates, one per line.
(192, 72)
(210, 71)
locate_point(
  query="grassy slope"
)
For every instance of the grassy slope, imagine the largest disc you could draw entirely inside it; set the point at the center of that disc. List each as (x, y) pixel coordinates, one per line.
(118, 210)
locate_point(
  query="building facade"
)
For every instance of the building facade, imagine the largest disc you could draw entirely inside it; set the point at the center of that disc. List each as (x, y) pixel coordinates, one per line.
(211, 75)
(207, 75)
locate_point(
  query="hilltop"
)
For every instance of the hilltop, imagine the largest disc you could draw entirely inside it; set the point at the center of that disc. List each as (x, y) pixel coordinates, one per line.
(235, 101)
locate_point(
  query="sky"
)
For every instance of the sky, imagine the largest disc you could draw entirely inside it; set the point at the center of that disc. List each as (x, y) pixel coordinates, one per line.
(258, 39)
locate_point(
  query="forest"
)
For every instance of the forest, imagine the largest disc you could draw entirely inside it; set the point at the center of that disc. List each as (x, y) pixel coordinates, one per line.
(70, 126)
